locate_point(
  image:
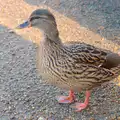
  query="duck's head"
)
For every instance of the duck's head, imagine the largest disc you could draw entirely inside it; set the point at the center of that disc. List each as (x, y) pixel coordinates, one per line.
(42, 19)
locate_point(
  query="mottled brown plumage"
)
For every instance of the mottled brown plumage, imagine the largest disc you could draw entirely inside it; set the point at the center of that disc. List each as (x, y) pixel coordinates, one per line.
(72, 66)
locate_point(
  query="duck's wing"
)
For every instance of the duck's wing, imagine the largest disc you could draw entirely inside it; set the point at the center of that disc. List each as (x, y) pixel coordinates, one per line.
(88, 54)
(88, 76)
(90, 66)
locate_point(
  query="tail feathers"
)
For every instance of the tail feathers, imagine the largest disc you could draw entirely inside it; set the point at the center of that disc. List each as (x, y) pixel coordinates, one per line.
(112, 61)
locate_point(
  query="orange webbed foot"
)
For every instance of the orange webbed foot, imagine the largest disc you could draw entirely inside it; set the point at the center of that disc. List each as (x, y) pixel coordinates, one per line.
(80, 106)
(66, 99)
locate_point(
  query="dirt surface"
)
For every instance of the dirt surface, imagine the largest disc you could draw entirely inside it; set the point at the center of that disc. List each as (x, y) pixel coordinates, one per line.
(23, 96)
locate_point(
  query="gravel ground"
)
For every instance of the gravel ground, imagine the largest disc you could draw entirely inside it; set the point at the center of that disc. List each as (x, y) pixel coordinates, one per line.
(23, 96)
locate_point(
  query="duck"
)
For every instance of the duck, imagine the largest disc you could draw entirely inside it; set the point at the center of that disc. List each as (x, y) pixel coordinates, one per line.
(73, 66)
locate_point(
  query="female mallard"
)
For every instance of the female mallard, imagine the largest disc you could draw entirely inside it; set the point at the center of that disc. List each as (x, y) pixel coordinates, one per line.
(73, 66)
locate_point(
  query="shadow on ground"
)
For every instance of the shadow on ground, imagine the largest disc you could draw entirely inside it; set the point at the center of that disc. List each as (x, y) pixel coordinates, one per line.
(100, 16)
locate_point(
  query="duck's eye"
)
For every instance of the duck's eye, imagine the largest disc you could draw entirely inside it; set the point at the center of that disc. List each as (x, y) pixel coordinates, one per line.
(34, 18)
(38, 17)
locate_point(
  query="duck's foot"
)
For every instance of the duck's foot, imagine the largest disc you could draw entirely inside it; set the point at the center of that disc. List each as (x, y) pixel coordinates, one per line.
(66, 99)
(80, 106)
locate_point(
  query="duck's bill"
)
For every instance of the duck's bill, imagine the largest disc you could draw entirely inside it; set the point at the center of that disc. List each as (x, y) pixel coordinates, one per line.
(24, 25)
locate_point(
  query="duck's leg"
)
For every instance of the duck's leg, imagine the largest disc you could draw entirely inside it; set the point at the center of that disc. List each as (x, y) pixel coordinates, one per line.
(66, 99)
(81, 106)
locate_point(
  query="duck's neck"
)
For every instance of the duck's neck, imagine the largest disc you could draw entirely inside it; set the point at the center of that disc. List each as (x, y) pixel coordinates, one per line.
(50, 46)
(51, 37)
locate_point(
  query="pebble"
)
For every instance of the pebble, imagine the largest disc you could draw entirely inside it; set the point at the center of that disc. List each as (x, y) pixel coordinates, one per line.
(41, 118)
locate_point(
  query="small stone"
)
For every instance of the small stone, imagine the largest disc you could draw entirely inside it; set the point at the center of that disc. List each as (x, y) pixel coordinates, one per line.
(92, 119)
(13, 54)
(41, 118)
(11, 31)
